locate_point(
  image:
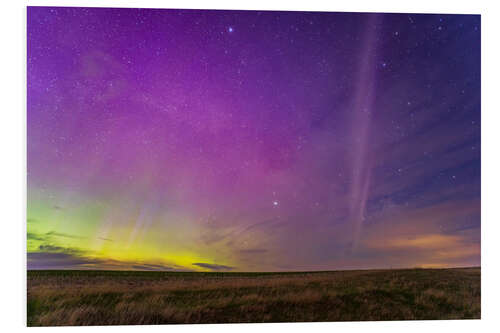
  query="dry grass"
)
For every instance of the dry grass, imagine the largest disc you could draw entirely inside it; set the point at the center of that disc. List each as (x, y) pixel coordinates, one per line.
(113, 298)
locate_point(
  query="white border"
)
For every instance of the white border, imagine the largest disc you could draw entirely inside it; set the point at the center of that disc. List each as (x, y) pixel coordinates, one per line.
(13, 152)
(389, 6)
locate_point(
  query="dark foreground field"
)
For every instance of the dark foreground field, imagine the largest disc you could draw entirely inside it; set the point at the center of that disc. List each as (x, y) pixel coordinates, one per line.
(119, 298)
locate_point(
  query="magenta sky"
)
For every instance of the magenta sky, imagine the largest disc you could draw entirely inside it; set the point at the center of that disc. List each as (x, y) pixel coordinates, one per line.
(252, 141)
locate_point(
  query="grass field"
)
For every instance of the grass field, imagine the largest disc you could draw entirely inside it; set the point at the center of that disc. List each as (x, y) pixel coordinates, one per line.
(120, 298)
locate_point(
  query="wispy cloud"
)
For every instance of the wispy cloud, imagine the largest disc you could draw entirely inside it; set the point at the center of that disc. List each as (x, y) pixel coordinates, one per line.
(49, 235)
(59, 249)
(51, 256)
(152, 267)
(57, 260)
(61, 234)
(33, 236)
(213, 267)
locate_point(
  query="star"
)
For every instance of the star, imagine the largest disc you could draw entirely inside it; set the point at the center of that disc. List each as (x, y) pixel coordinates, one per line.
(230, 29)
(275, 203)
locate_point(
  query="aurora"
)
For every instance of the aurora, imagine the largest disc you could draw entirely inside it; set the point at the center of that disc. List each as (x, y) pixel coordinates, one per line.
(206, 140)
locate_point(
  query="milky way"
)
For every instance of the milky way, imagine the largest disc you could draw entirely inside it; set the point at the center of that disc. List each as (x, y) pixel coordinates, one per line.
(252, 140)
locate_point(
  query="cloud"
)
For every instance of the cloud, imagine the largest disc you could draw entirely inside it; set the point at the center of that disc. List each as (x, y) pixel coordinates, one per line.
(57, 260)
(429, 241)
(49, 248)
(152, 267)
(57, 257)
(61, 234)
(213, 267)
(432, 235)
(48, 235)
(33, 236)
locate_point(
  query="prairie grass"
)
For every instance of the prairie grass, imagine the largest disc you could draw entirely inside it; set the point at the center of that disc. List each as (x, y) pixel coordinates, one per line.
(70, 298)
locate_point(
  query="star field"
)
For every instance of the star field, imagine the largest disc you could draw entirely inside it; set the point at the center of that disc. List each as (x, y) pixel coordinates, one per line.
(252, 140)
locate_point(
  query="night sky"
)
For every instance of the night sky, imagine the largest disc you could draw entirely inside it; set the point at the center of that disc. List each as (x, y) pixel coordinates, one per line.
(252, 141)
